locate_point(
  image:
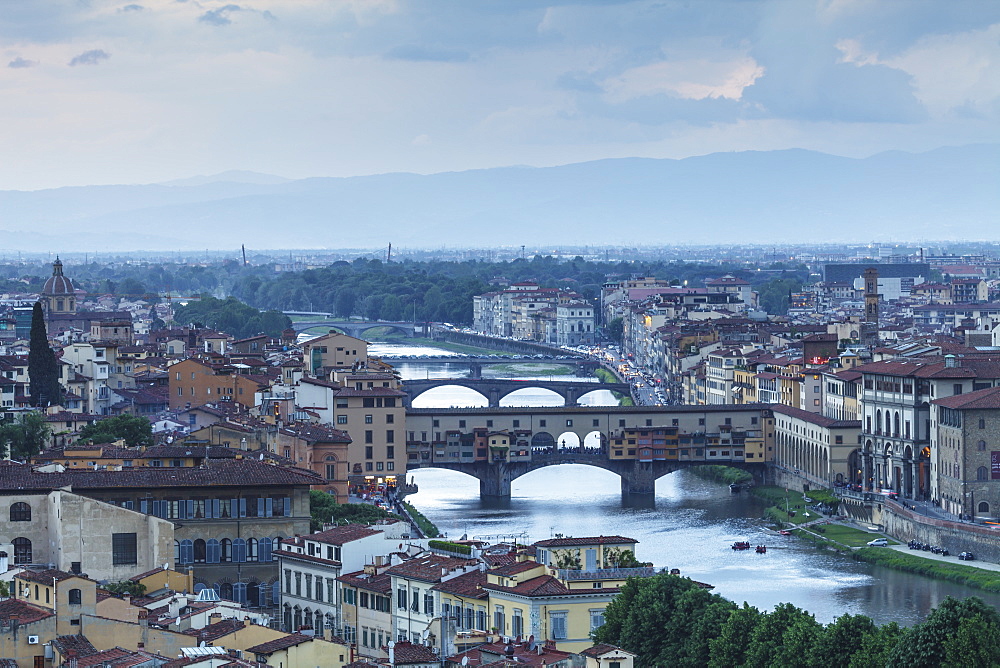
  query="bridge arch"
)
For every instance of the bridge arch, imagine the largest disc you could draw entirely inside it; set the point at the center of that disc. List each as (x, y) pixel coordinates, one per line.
(539, 396)
(433, 397)
(542, 440)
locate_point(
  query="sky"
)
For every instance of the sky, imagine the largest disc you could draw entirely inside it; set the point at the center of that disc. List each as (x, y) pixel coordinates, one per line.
(102, 92)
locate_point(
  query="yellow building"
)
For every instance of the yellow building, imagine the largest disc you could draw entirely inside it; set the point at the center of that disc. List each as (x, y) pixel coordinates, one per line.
(295, 649)
(562, 596)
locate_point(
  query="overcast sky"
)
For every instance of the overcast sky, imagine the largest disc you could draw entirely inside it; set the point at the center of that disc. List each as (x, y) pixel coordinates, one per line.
(93, 91)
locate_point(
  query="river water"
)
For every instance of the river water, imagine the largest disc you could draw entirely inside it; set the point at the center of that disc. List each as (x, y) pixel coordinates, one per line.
(691, 526)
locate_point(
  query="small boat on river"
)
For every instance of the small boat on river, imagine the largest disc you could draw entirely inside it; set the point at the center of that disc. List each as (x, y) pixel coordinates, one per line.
(761, 549)
(741, 545)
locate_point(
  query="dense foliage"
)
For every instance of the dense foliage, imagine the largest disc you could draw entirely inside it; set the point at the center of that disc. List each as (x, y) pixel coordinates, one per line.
(43, 369)
(26, 435)
(668, 620)
(428, 528)
(126, 587)
(232, 317)
(449, 546)
(438, 290)
(134, 429)
(324, 509)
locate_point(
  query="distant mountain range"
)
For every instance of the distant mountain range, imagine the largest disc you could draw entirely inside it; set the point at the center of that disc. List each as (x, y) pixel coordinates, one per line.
(749, 197)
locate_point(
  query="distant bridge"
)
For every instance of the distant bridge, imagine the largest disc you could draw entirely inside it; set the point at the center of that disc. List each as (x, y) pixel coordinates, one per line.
(357, 328)
(495, 389)
(476, 364)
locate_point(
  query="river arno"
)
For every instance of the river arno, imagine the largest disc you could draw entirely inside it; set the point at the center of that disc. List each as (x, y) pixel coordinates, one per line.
(691, 527)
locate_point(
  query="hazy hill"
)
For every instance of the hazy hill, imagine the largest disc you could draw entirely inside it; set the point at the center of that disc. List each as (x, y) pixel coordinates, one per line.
(777, 196)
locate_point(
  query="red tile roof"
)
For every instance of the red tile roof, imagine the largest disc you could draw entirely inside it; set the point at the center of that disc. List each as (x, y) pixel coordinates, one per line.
(242, 472)
(25, 612)
(277, 644)
(430, 568)
(978, 400)
(543, 585)
(585, 540)
(469, 585)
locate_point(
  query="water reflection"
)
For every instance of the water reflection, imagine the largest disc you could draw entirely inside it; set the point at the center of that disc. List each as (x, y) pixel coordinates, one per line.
(691, 527)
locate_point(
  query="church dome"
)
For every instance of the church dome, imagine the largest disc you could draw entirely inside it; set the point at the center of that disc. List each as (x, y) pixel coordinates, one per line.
(57, 283)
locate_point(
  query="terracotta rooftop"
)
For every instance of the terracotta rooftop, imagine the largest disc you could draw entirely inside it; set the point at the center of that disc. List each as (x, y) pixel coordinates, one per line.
(407, 653)
(291, 640)
(543, 585)
(341, 535)
(430, 568)
(815, 418)
(515, 568)
(978, 400)
(380, 584)
(243, 472)
(25, 612)
(217, 630)
(585, 540)
(468, 585)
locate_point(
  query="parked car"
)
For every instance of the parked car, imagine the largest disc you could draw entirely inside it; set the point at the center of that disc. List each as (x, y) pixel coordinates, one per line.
(878, 542)
(966, 556)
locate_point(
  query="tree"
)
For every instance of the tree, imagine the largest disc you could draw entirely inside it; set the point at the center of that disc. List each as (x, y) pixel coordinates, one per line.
(926, 644)
(841, 640)
(129, 587)
(784, 637)
(324, 509)
(665, 619)
(976, 644)
(43, 369)
(135, 430)
(26, 436)
(615, 330)
(729, 647)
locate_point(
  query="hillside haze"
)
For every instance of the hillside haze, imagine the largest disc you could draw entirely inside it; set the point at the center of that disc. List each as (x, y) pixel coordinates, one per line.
(748, 197)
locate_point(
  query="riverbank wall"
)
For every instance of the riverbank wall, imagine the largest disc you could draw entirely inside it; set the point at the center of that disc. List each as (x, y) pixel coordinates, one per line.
(498, 344)
(904, 525)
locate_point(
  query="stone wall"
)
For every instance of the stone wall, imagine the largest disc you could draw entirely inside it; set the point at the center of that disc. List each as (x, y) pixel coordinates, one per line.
(905, 525)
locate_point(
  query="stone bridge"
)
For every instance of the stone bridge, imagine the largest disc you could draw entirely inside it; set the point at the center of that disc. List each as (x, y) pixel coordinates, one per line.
(495, 389)
(357, 329)
(476, 364)
(637, 478)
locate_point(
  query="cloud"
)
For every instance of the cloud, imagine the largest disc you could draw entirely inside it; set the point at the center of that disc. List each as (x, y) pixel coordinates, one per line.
(421, 140)
(691, 79)
(132, 8)
(19, 63)
(416, 53)
(92, 57)
(220, 16)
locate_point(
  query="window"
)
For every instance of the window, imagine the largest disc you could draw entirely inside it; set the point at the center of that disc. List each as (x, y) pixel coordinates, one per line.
(369, 451)
(369, 436)
(368, 419)
(390, 436)
(331, 471)
(20, 512)
(499, 619)
(428, 604)
(517, 623)
(124, 549)
(558, 625)
(596, 619)
(341, 419)
(982, 473)
(75, 597)
(22, 551)
(569, 423)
